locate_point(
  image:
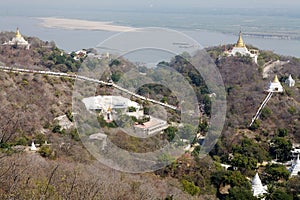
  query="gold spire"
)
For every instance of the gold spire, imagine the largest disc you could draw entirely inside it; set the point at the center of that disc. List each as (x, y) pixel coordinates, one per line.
(275, 79)
(18, 35)
(240, 42)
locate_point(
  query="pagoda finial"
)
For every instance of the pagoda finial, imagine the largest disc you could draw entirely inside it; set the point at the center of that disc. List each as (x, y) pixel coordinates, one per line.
(276, 79)
(240, 42)
(18, 35)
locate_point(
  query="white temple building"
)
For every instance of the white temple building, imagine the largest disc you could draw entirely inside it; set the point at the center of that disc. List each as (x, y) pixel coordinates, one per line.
(107, 105)
(18, 40)
(257, 187)
(290, 81)
(275, 86)
(240, 48)
(295, 168)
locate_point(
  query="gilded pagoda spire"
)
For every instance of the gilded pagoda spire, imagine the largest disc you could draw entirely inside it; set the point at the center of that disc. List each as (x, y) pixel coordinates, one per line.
(240, 42)
(18, 34)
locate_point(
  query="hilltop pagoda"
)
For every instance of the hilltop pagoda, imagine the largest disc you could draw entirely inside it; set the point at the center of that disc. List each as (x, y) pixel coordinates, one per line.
(18, 41)
(241, 49)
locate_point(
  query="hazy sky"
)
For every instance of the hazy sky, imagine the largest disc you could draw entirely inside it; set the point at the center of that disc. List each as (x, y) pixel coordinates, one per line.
(128, 4)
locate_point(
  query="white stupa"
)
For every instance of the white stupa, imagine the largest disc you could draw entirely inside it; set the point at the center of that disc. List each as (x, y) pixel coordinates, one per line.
(290, 81)
(33, 147)
(240, 48)
(275, 86)
(295, 168)
(18, 40)
(257, 187)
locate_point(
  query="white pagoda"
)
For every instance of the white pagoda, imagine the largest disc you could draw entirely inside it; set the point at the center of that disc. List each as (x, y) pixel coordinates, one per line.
(33, 147)
(295, 168)
(257, 187)
(290, 81)
(240, 48)
(275, 86)
(18, 40)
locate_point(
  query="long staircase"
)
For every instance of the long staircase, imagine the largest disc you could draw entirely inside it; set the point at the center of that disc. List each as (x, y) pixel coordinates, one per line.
(264, 103)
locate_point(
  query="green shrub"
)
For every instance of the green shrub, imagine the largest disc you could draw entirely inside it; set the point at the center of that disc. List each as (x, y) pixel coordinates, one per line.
(21, 141)
(265, 113)
(190, 187)
(47, 152)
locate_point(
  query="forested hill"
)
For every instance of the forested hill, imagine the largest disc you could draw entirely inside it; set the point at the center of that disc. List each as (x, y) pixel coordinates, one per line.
(31, 102)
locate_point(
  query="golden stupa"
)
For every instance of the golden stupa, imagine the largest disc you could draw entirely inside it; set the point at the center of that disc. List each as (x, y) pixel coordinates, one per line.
(18, 34)
(240, 42)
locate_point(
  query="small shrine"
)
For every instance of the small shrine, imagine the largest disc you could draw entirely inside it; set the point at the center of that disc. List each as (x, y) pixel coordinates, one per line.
(290, 81)
(33, 147)
(275, 85)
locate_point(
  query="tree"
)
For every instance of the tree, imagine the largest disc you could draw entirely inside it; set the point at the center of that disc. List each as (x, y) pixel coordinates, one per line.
(190, 187)
(280, 195)
(280, 148)
(276, 172)
(242, 160)
(170, 133)
(240, 193)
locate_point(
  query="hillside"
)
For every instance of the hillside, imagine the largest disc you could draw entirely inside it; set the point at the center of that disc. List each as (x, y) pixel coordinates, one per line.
(65, 169)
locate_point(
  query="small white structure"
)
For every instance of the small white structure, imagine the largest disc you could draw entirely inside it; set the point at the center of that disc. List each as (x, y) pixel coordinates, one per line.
(18, 40)
(257, 187)
(275, 86)
(240, 48)
(295, 168)
(290, 81)
(33, 147)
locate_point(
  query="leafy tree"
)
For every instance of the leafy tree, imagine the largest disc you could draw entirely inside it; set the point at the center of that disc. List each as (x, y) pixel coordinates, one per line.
(116, 76)
(47, 152)
(276, 172)
(56, 129)
(293, 186)
(170, 133)
(131, 109)
(241, 160)
(40, 138)
(240, 193)
(190, 187)
(280, 195)
(280, 148)
(251, 149)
